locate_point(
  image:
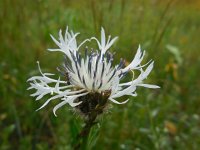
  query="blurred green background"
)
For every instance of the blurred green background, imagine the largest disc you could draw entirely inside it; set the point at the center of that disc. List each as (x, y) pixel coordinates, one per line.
(163, 119)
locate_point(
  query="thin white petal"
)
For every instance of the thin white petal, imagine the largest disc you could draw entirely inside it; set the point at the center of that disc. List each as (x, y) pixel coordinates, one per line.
(58, 106)
(87, 40)
(147, 71)
(94, 38)
(149, 86)
(52, 98)
(111, 43)
(116, 102)
(71, 102)
(136, 61)
(103, 37)
(127, 91)
(57, 43)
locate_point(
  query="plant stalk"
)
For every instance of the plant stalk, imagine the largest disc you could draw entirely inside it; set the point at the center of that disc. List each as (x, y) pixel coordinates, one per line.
(82, 137)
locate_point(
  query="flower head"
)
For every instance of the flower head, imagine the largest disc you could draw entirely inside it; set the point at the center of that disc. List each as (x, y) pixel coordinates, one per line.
(90, 79)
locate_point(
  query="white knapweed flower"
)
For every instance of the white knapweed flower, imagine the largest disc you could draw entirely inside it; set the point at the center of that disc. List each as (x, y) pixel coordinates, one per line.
(90, 79)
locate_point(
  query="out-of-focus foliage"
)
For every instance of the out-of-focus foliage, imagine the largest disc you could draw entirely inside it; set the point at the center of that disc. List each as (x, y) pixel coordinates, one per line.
(167, 118)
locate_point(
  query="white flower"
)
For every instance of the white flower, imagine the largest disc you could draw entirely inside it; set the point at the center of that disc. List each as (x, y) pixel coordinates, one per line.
(89, 75)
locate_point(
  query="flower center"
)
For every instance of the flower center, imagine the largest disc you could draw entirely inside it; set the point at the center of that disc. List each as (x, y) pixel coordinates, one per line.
(93, 103)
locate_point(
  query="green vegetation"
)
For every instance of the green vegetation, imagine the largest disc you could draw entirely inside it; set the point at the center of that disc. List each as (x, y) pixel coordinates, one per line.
(163, 119)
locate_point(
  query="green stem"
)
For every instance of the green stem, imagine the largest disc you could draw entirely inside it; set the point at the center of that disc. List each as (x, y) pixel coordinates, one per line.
(82, 138)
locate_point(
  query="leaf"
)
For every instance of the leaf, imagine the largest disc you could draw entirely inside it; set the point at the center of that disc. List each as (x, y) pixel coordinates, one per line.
(176, 52)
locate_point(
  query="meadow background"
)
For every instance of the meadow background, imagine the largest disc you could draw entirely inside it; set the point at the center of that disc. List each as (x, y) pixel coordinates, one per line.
(163, 119)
